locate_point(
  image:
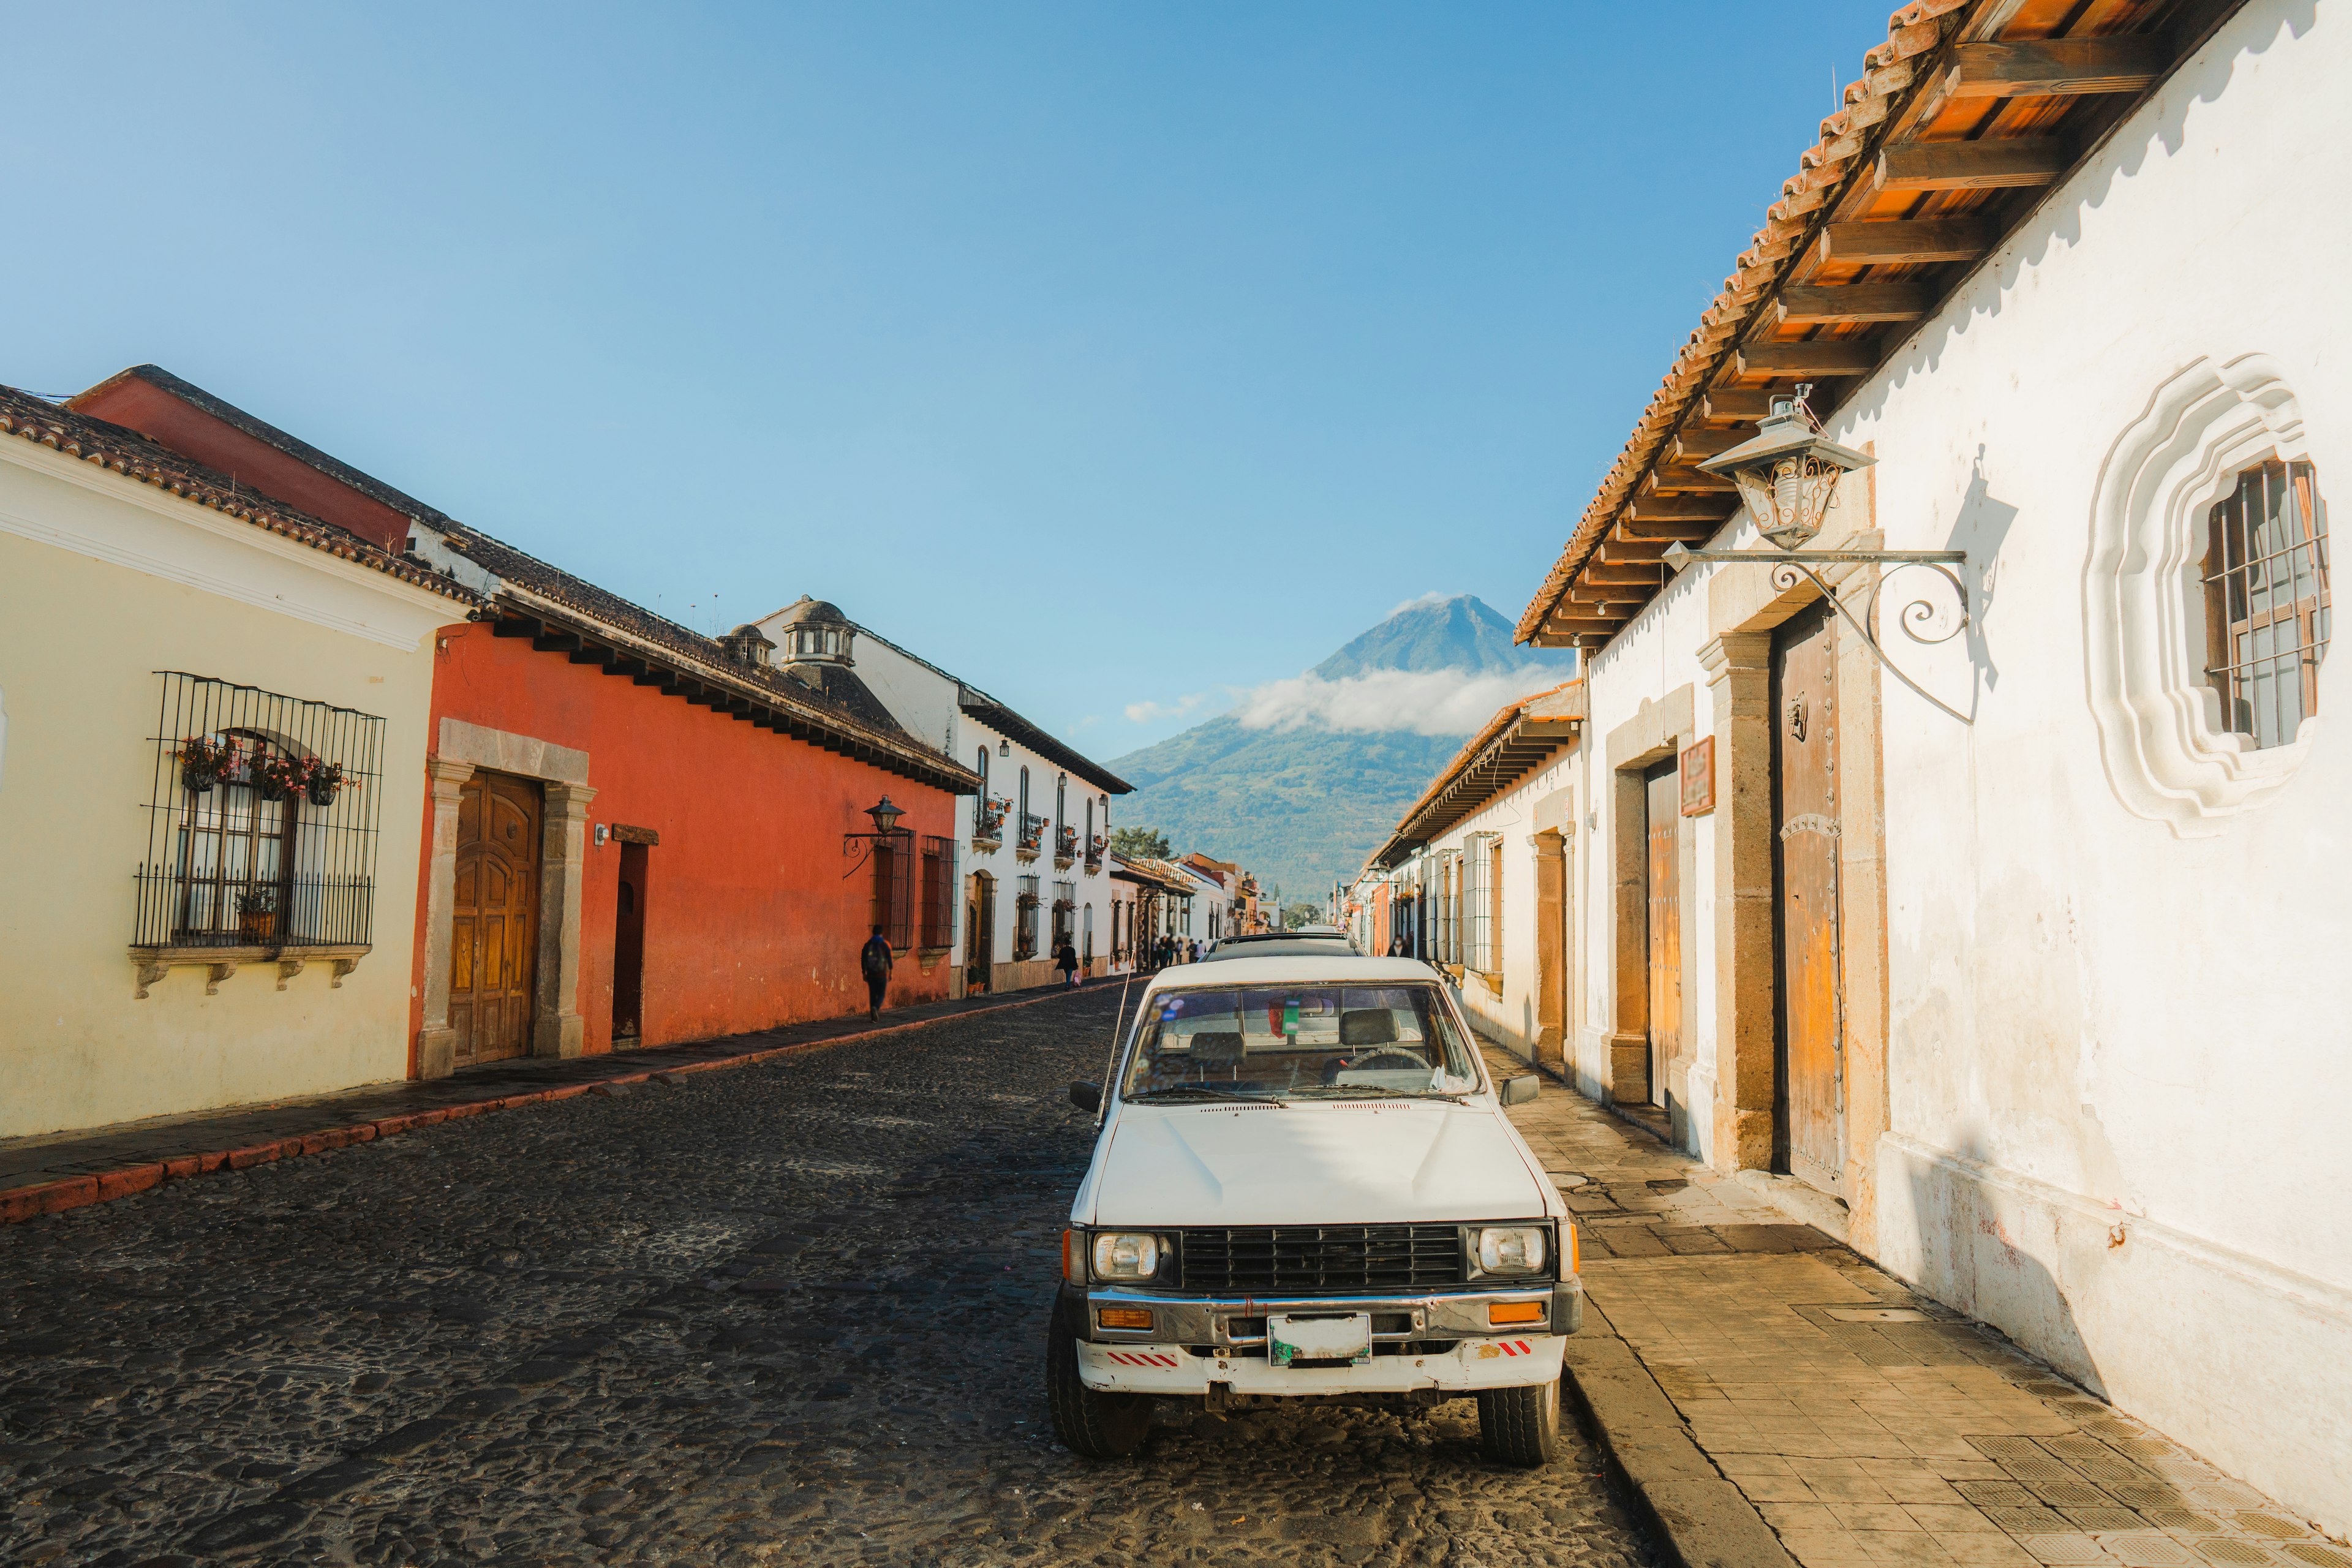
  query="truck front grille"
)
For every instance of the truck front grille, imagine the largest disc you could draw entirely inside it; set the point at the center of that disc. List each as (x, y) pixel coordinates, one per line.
(1272, 1261)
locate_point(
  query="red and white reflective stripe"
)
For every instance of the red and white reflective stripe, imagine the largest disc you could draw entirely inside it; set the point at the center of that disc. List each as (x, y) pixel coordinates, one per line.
(1515, 1347)
(1140, 1358)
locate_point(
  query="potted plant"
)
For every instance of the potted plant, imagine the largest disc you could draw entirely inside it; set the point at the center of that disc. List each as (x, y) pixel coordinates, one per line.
(322, 780)
(275, 776)
(204, 762)
(256, 916)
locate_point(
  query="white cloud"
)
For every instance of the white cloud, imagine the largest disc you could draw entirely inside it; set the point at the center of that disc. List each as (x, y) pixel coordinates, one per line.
(1151, 712)
(1088, 723)
(1427, 702)
(1425, 600)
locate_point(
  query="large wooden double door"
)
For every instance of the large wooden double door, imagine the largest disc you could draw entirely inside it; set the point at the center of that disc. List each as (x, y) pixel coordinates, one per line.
(1809, 1059)
(494, 931)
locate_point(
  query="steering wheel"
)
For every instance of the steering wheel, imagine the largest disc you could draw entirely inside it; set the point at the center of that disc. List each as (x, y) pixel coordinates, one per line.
(1387, 1058)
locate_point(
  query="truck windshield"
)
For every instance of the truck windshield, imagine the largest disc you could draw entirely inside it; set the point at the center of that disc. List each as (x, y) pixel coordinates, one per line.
(1298, 1041)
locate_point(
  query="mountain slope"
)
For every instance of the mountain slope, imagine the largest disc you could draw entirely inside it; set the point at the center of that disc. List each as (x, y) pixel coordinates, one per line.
(1461, 633)
(1304, 806)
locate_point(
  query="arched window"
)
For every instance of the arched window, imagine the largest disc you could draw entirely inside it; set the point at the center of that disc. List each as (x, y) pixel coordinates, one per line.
(1061, 800)
(1090, 827)
(1024, 799)
(983, 771)
(2267, 600)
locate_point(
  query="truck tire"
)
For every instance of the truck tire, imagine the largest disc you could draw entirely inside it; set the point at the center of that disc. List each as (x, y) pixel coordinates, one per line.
(1090, 1425)
(1520, 1425)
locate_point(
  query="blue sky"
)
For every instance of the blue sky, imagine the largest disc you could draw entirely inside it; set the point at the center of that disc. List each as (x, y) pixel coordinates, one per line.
(1107, 355)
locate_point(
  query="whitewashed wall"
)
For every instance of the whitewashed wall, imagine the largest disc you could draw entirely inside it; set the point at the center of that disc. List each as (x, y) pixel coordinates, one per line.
(2121, 1018)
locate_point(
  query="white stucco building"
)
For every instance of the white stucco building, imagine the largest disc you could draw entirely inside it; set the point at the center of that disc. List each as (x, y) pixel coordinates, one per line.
(2044, 979)
(1035, 843)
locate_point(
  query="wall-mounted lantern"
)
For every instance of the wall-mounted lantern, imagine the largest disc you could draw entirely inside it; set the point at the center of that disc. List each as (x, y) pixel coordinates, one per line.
(1788, 475)
(886, 831)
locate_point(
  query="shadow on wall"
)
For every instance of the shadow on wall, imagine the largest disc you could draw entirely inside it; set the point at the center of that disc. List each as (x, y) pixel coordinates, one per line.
(1980, 527)
(1973, 1260)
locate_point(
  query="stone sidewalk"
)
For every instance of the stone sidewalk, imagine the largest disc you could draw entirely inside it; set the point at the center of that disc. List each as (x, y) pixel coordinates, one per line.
(55, 1172)
(1768, 1394)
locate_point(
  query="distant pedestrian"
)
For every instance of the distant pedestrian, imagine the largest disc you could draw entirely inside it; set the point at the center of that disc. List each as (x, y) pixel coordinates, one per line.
(874, 961)
(1396, 947)
(1066, 960)
(1195, 956)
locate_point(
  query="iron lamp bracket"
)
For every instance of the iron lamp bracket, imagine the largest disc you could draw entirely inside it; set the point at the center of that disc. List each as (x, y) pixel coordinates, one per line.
(1790, 567)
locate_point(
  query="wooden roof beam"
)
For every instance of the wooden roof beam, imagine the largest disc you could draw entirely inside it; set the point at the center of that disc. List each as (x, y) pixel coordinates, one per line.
(1671, 481)
(1972, 165)
(1644, 574)
(1903, 240)
(1815, 356)
(1682, 512)
(1690, 448)
(2056, 67)
(1810, 305)
(514, 627)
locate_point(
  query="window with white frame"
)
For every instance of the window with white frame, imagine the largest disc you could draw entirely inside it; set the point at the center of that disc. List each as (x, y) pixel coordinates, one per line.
(1481, 880)
(2267, 600)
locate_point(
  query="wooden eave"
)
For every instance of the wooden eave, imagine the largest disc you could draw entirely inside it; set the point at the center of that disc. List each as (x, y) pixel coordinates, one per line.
(1958, 127)
(1518, 750)
(552, 628)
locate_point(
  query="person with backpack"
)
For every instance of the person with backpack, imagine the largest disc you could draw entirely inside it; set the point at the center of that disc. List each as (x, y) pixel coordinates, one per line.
(874, 961)
(1065, 959)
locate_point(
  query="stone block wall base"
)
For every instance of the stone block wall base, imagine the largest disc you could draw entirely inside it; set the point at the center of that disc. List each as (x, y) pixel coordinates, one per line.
(436, 1053)
(1629, 1068)
(1743, 1139)
(564, 1035)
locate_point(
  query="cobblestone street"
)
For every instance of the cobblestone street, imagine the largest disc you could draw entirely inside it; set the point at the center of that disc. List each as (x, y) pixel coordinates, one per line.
(788, 1313)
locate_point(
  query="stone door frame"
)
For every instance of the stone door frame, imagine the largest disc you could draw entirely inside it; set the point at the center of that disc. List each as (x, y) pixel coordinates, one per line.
(1743, 611)
(557, 1028)
(1658, 730)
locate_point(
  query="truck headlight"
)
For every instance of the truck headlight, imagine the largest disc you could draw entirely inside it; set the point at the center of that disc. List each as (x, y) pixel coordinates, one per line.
(1125, 1254)
(1510, 1248)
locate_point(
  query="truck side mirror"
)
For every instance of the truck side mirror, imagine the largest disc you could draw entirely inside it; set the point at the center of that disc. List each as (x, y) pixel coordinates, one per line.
(1523, 1087)
(1087, 1097)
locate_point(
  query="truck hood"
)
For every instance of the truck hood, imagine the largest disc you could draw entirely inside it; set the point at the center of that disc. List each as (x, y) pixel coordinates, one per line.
(1330, 1163)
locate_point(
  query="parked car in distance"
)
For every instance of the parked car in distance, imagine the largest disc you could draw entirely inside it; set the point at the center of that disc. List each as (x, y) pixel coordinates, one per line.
(1302, 942)
(1304, 1184)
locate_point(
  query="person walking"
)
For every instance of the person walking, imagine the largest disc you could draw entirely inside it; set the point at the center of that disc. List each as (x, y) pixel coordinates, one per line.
(873, 963)
(1065, 959)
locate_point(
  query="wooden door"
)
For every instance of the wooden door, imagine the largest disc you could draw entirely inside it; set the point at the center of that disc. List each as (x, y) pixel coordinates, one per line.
(494, 935)
(1662, 795)
(979, 933)
(1809, 1059)
(629, 947)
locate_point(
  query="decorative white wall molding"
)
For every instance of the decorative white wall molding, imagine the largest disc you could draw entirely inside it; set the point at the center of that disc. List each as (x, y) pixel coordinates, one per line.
(2167, 753)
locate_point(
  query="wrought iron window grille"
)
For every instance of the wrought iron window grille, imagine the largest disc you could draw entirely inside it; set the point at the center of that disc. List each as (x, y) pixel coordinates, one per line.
(264, 815)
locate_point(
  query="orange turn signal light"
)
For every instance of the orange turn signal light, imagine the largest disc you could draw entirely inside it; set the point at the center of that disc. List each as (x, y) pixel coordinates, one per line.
(1501, 1313)
(1575, 1252)
(1124, 1317)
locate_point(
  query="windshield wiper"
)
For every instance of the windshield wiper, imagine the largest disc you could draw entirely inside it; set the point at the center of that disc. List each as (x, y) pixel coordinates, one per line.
(1369, 1091)
(1190, 1092)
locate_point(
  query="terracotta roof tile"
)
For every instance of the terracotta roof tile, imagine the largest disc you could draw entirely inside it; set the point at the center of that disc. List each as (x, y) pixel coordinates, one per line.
(133, 456)
(1911, 31)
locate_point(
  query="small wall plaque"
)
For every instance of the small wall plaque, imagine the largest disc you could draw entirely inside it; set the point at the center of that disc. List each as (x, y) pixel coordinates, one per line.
(1698, 777)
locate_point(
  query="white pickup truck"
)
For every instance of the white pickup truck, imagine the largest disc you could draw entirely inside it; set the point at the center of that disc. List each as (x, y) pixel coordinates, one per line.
(1304, 1186)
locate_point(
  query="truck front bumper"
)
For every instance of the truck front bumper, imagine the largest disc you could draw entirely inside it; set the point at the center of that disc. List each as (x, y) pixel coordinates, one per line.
(1504, 1363)
(1419, 1341)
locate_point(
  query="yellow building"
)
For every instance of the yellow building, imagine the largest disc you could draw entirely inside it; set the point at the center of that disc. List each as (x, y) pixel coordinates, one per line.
(212, 745)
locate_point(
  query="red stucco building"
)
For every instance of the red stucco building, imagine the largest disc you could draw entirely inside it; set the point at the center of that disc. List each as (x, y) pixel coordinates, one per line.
(635, 835)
